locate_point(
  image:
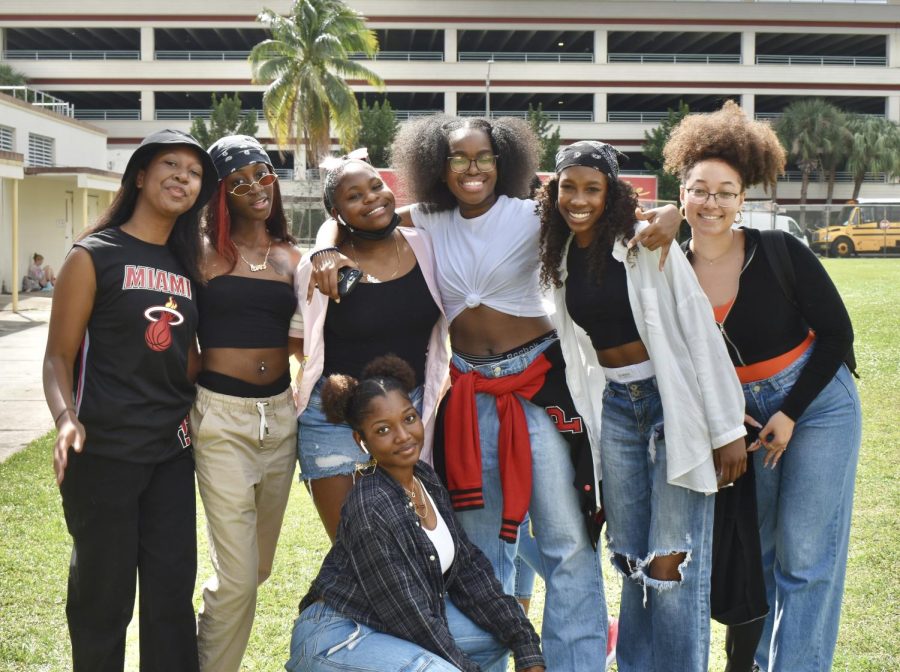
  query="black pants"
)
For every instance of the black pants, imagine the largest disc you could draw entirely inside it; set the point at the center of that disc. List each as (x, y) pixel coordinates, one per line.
(129, 520)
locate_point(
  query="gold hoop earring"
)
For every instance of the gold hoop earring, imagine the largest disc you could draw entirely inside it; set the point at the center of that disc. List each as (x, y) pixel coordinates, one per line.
(682, 212)
(367, 468)
(739, 218)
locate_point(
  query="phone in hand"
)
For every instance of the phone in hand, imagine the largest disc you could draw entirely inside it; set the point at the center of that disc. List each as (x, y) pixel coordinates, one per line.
(348, 278)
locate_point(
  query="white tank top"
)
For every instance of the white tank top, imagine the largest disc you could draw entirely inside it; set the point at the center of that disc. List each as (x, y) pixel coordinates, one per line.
(440, 537)
(492, 259)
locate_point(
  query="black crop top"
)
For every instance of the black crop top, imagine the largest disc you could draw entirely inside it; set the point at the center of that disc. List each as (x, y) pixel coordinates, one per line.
(376, 319)
(241, 312)
(762, 323)
(601, 309)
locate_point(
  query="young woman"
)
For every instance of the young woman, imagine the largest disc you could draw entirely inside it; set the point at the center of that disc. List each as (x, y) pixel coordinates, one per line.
(402, 588)
(789, 353)
(395, 308)
(243, 419)
(671, 409)
(470, 177)
(116, 381)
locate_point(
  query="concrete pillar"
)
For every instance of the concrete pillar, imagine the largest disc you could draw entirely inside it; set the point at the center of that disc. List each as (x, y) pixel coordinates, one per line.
(148, 43)
(148, 105)
(2, 40)
(80, 210)
(893, 108)
(893, 48)
(748, 48)
(748, 103)
(600, 47)
(450, 102)
(450, 50)
(15, 246)
(599, 108)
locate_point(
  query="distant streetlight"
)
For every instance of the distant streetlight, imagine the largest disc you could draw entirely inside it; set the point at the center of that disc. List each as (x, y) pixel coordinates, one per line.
(487, 89)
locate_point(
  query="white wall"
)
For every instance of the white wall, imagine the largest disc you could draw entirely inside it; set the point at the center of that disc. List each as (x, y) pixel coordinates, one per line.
(76, 143)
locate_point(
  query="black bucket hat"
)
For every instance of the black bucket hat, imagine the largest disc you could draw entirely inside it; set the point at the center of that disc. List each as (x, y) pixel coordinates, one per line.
(157, 141)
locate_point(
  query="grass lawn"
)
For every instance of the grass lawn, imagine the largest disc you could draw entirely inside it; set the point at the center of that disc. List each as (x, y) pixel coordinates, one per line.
(34, 544)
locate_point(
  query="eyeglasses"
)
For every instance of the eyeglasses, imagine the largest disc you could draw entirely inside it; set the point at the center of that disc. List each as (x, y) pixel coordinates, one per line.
(245, 188)
(484, 163)
(700, 196)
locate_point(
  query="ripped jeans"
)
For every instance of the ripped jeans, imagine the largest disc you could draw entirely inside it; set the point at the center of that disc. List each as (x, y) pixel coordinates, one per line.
(663, 625)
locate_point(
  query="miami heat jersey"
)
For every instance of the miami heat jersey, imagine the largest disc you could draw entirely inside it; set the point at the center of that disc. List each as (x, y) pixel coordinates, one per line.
(131, 391)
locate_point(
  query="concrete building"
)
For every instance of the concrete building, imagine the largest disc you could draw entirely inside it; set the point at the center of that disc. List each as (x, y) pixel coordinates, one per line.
(53, 183)
(602, 69)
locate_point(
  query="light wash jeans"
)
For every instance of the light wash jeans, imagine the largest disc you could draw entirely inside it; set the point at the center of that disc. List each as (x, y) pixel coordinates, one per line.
(325, 641)
(573, 635)
(663, 625)
(804, 520)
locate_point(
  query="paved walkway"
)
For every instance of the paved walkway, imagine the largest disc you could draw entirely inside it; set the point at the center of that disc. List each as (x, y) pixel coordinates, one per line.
(23, 335)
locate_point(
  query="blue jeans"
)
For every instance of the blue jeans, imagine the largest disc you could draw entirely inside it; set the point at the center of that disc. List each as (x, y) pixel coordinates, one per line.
(573, 635)
(325, 641)
(804, 519)
(663, 625)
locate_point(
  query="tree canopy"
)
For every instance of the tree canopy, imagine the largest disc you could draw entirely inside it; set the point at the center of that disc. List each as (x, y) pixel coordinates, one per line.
(226, 119)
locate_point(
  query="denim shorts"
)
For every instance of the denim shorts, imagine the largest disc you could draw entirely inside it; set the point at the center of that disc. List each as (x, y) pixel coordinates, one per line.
(328, 449)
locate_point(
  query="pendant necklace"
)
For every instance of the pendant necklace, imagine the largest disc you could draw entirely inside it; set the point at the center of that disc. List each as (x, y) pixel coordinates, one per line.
(371, 278)
(412, 499)
(255, 268)
(710, 262)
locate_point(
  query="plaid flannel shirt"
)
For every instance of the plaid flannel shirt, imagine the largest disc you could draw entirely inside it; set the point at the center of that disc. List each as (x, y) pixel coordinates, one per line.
(383, 571)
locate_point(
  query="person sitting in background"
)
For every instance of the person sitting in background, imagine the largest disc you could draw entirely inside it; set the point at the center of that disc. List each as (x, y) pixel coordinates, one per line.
(39, 277)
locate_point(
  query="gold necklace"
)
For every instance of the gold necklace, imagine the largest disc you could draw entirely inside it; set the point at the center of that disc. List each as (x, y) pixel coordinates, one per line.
(369, 277)
(709, 261)
(255, 268)
(412, 499)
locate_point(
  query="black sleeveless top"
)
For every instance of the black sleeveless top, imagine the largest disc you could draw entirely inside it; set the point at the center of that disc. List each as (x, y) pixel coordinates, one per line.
(131, 387)
(241, 312)
(601, 309)
(393, 317)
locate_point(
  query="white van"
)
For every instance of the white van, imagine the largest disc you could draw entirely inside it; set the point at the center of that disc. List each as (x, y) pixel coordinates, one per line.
(760, 219)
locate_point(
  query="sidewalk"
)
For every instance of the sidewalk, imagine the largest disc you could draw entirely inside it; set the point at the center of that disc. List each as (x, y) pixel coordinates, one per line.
(23, 335)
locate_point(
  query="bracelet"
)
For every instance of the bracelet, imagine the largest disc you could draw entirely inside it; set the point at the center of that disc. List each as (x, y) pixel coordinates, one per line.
(61, 413)
(322, 251)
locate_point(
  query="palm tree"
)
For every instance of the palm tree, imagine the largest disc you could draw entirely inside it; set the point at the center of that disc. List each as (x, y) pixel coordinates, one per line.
(305, 66)
(875, 148)
(809, 129)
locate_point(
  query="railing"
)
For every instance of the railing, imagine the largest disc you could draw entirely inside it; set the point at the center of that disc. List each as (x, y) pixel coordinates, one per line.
(170, 55)
(853, 61)
(108, 115)
(285, 173)
(190, 115)
(71, 55)
(526, 56)
(553, 115)
(39, 99)
(637, 117)
(840, 176)
(673, 58)
(399, 56)
(403, 115)
(771, 116)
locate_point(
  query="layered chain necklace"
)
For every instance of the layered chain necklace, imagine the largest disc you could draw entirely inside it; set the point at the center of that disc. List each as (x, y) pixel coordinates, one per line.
(256, 268)
(420, 509)
(369, 277)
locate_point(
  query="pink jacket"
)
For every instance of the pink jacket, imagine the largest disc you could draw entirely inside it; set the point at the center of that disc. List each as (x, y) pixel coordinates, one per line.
(437, 376)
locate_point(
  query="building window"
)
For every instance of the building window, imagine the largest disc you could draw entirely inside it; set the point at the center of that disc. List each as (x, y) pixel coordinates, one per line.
(6, 139)
(40, 150)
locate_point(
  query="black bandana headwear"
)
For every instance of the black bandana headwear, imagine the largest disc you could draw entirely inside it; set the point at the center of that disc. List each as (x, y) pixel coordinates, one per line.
(233, 152)
(590, 153)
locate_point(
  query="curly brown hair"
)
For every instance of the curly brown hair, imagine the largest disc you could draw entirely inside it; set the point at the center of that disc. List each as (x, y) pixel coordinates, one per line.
(346, 399)
(419, 155)
(750, 147)
(617, 220)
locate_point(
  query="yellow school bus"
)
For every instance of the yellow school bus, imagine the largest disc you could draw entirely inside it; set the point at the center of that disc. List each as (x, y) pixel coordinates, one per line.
(871, 226)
